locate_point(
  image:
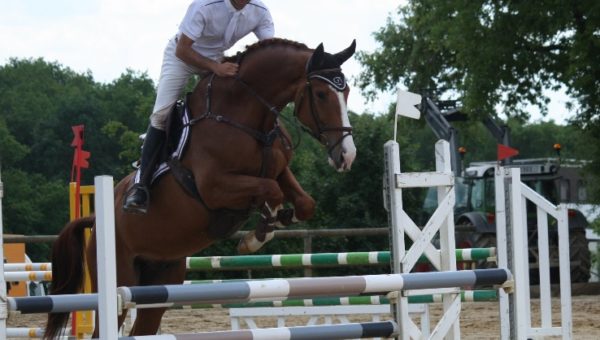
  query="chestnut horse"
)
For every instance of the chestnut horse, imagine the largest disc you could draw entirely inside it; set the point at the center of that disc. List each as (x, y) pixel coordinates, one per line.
(238, 154)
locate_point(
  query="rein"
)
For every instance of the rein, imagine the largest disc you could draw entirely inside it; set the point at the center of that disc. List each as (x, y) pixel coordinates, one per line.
(266, 138)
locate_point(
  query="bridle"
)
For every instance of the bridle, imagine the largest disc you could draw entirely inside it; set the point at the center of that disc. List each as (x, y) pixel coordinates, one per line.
(339, 84)
(269, 137)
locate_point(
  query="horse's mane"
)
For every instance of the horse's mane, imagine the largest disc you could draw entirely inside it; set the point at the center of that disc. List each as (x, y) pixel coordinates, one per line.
(262, 44)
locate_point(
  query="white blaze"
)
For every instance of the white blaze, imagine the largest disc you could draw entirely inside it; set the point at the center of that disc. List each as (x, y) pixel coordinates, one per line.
(348, 147)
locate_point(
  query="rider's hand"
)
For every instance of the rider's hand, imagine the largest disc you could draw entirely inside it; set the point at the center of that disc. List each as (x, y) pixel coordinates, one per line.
(226, 69)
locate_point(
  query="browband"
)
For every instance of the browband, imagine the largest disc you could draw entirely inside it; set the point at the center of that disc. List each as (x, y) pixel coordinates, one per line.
(333, 77)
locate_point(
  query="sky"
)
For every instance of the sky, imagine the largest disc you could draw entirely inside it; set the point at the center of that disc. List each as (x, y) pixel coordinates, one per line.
(107, 37)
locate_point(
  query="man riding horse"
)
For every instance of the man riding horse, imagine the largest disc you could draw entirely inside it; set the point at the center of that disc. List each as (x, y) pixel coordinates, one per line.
(208, 29)
(236, 159)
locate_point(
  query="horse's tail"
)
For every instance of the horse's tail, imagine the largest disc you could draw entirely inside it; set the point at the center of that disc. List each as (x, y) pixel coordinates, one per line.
(67, 269)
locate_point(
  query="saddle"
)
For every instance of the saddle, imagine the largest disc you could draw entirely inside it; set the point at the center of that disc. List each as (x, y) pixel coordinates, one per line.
(177, 135)
(224, 222)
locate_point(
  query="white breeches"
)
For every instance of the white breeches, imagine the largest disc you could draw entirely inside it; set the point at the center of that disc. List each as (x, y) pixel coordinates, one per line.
(174, 75)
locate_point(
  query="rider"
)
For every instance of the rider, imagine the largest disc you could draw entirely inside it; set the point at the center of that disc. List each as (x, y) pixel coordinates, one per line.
(209, 28)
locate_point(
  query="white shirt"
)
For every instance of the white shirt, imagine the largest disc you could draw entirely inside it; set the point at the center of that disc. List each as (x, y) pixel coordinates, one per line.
(215, 25)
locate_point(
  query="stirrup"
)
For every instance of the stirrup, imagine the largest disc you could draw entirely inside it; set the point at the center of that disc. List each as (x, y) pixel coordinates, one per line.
(135, 204)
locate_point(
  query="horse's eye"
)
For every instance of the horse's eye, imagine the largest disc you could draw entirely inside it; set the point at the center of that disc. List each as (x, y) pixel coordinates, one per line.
(322, 95)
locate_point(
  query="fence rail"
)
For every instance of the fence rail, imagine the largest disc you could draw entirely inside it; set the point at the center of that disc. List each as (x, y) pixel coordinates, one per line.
(306, 234)
(294, 233)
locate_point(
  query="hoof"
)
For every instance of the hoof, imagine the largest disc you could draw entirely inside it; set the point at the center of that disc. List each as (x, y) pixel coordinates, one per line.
(285, 217)
(250, 244)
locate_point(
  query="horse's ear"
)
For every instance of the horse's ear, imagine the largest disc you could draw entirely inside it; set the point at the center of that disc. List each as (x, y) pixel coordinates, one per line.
(316, 60)
(341, 57)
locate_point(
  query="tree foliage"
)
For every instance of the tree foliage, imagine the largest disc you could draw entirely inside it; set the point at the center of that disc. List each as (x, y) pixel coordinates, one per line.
(495, 56)
(491, 52)
(39, 102)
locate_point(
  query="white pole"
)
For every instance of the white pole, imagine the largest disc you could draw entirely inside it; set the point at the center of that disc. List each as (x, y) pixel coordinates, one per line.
(451, 301)
(520, 256)
(565, 272)
(397, 246)
(106, 258)
(502, 250)
(3, 307)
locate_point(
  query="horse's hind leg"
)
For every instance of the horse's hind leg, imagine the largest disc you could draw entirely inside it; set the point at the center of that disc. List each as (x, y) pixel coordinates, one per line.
(147, 321)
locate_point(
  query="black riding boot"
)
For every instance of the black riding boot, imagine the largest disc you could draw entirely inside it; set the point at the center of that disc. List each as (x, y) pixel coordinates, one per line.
(138, 197)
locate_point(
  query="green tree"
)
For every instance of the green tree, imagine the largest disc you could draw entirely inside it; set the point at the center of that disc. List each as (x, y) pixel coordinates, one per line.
(493, 53)
(39, 102)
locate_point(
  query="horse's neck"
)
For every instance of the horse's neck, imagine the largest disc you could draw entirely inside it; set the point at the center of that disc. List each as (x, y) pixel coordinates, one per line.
(274, 79)
(255, 102)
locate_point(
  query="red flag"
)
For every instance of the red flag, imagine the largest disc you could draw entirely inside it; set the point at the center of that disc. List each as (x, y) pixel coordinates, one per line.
(506, 151)
(81, 159)
(78, 135)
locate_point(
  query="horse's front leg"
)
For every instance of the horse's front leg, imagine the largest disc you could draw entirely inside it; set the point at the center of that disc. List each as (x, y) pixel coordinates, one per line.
(304, 204)
(275, 216)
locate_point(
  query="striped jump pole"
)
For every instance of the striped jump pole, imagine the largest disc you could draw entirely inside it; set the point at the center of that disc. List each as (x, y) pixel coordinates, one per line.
(27, 267)
(246, 262)
(30, 333)
(360, 300)
(28, 276)
(330, 332)
(53, 303)
(24, 332)
(305, 287)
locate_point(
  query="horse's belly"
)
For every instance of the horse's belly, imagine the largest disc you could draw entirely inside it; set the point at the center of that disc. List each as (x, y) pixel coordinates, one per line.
(223, 223)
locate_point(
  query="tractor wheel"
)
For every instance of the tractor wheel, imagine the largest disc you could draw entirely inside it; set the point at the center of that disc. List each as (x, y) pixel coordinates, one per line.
(580, 256)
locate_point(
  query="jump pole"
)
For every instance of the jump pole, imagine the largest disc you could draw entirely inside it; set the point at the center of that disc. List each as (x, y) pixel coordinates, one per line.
(330, 332)
(308, 287)
(316, 260)
(356, 300)
(27, 267)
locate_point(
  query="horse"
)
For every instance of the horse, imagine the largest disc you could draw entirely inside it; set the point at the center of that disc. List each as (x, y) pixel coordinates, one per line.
(236, 161)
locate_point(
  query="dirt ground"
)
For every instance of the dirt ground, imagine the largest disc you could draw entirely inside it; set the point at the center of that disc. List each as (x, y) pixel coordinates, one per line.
(478, 319)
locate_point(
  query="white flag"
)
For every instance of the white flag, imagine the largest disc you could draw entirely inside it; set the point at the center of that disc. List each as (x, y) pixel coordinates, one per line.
(405, 104)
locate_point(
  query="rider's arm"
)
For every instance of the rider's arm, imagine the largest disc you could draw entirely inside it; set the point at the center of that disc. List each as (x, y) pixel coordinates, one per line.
(265, 28)
(187, 54)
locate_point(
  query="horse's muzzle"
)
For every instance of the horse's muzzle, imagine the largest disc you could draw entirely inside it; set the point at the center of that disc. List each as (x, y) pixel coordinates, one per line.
(342, 156)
